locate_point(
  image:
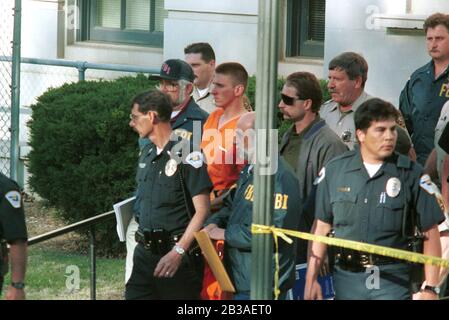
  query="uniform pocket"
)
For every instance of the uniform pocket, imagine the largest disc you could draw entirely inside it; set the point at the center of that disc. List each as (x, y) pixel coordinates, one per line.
(168, 190)
(141, 174)
(343, 208)
(389, 215)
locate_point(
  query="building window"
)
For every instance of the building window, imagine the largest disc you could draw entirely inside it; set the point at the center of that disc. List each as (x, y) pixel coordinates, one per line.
(124, 21)
(305, 28)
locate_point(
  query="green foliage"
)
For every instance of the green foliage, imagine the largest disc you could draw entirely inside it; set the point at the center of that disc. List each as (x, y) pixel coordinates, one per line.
(326, 94)
(281, 124)
(84, 153)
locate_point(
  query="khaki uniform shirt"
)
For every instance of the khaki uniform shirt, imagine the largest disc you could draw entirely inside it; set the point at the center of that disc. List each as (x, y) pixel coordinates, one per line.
(206, 102)
(343, 123)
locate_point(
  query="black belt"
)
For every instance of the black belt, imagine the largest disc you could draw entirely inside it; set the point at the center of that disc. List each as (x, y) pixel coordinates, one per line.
(159, 245)
(355, 261)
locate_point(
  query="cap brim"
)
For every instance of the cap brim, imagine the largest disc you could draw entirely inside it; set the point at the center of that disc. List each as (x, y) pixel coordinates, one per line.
(159, 77)
(154, 77)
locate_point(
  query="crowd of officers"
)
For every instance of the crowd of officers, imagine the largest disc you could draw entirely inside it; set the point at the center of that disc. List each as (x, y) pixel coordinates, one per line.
(354, 168)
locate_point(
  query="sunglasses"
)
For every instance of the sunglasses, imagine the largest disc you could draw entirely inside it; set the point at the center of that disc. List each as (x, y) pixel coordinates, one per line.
(289, 101)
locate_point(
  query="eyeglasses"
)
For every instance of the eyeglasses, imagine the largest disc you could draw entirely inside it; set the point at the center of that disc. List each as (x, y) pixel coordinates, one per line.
(135, 117)
(168, 86)
(289, 101)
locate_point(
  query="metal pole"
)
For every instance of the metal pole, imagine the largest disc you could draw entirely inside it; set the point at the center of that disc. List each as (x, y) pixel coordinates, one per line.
(93, 264)
(15, 94)
(82, 71)
(267, 61)
(83, 66)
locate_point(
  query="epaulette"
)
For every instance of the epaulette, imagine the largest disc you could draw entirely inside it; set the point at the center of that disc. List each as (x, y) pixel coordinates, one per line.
(328, 102)
(7, 184)
(146, 149)
(328, 105)
(404, 162)
(347, 154)
(182, 147)
(195, 112)
(188, 153)
(420, 70)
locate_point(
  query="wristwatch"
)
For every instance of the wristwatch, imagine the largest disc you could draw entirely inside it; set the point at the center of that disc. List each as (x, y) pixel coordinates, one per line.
(18, 285)
(179, 250)
(435, 290)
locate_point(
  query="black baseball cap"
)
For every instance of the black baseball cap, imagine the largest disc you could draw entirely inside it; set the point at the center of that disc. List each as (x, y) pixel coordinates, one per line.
(175, 69)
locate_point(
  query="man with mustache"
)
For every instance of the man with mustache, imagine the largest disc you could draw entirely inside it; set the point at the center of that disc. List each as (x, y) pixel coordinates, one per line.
(348, 73)
(365, 195)
(427, 90)
(172, 201)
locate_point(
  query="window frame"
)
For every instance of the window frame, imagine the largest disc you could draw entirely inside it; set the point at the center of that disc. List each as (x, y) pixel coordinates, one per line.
(89, 30)
(298, 43)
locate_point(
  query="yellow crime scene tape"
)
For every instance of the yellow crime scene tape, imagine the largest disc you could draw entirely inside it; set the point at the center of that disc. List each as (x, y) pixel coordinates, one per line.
(349, 244)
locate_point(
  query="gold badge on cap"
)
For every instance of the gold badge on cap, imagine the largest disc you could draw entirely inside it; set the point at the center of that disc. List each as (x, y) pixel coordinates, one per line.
(393, 187)
(171, 167)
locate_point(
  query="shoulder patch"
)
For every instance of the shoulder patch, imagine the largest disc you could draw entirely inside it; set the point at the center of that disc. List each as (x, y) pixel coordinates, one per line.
(320, 177)
(431, 188)
(14, 198)
(195, 159)
(183, 133)
(427, 184)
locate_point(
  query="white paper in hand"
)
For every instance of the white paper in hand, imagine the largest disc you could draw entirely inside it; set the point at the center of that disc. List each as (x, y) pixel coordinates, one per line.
(123, 214)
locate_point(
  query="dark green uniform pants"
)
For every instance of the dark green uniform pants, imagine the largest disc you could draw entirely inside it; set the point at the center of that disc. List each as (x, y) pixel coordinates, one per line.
(391, 283)
(184, 285)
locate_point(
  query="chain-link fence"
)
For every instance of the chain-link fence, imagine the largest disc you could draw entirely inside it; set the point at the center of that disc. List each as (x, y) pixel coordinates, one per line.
(36, 76)
(6, 37)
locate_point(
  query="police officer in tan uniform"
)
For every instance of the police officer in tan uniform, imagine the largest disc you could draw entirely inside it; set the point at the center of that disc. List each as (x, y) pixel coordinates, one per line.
(348, 74)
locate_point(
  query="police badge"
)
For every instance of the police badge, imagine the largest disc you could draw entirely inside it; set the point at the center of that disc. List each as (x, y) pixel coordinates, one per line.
(171, 167)
(393, 187)
(346, 136)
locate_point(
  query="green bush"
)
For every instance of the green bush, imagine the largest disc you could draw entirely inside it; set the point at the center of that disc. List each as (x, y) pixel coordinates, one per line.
(84, 154)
